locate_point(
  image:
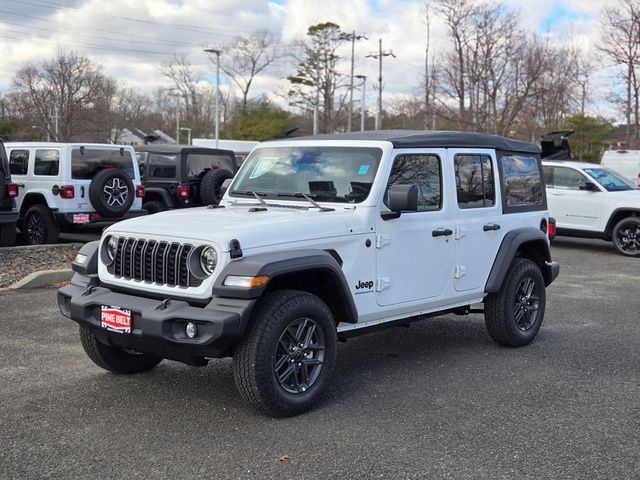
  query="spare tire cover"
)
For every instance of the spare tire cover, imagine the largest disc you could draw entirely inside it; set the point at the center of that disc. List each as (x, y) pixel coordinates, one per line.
(111, 192)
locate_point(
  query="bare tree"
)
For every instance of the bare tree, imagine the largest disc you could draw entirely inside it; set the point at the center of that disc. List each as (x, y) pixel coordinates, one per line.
(246, 58)
(620, 42)
(64, 91)
(184, 78)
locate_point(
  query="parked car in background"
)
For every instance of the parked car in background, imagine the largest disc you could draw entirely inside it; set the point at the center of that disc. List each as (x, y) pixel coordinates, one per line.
(8, 210)
(67, 185)
(588, 200)
(178, 176)
(241, 148)
(625, 162)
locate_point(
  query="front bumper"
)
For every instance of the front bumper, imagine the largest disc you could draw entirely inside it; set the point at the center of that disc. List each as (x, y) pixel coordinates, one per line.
(79, 219)
(158, 326)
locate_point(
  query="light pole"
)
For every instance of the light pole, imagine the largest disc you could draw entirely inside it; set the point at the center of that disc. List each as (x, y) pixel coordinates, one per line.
(217, 52)
(362, 105)
(188, 130)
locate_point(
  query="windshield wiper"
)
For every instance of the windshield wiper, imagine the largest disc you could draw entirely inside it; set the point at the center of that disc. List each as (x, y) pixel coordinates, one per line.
(251, 192)
(308, 198)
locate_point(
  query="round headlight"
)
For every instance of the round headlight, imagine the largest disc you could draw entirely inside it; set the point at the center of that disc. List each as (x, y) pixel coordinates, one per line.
(208, 260)
(112, 247)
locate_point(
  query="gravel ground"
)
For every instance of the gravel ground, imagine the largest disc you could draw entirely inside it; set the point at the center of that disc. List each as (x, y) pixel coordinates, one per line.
(18, 262)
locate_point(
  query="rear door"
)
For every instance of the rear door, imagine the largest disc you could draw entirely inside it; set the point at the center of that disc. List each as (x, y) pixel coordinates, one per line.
(478, 216)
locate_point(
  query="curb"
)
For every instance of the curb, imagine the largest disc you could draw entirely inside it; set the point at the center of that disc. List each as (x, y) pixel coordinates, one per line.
(42, 279)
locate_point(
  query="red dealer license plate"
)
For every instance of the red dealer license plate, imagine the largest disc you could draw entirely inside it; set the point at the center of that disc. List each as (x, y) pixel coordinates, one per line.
(115, 319)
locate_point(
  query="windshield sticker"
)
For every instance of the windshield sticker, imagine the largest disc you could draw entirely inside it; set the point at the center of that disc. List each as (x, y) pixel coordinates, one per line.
(363, 170)
(265, 164)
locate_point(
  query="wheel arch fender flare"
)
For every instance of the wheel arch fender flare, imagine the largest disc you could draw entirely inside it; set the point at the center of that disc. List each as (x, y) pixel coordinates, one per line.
(38, 196)
(616, 216)
(165, 196)
(311, 265)
(530, 243)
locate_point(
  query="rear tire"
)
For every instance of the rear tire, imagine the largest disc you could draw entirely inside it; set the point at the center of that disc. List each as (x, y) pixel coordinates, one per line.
(287, 358)
(626, 236)
(114, 359)
(39, 227)
(514, 314)
(7, 235)
(154, 206)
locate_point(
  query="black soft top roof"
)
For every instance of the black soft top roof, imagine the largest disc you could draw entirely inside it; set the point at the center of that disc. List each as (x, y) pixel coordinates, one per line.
(433, 139)
(153, 148)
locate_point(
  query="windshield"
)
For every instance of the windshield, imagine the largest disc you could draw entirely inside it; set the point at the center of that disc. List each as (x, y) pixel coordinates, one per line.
(609, 179)
(331, 174)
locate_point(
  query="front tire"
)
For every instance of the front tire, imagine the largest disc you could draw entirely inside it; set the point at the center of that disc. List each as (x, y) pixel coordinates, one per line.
(115, 359)
(287, 359)
(626, 236)
(514, 314)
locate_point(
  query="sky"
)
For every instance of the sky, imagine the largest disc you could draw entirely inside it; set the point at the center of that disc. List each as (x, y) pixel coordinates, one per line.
(131, 38)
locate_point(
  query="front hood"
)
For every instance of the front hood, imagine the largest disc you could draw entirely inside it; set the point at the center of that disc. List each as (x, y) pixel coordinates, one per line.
(252, 228)
(631, 196)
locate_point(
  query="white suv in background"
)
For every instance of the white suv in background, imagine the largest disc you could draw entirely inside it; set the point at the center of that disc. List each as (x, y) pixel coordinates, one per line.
(65, 185)
(590, 201)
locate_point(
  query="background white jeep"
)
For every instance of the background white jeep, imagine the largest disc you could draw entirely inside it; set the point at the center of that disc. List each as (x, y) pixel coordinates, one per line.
(317, 239)
(65, 185)
(591, 201)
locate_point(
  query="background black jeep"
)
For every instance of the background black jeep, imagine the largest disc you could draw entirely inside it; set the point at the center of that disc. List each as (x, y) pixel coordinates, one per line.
(177, 176)
(8, 211)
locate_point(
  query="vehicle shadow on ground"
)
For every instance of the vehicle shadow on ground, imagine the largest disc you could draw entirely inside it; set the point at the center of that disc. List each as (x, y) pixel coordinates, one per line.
(586, 245)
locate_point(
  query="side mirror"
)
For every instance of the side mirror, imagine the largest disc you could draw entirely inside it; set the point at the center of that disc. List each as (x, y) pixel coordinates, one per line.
(588, 186)
(401, 198)
(225, 186)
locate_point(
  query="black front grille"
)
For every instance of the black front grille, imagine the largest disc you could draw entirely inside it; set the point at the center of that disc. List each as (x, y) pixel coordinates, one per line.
(162, 263)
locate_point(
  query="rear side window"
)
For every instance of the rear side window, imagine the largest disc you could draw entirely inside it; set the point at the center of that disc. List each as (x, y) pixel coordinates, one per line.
(474, 181)
(47, 162)
(19, 162)
(86, 162)
(424, 171)
(198, 164)
(162, 166)
(521, 181)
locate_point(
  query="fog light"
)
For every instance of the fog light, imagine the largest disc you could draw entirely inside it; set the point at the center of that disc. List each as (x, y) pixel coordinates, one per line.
(191, 330)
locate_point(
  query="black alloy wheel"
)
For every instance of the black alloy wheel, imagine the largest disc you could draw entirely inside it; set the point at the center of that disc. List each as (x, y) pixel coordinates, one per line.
(299, 356)
(626, 237)
(525, 310)
(35, 229)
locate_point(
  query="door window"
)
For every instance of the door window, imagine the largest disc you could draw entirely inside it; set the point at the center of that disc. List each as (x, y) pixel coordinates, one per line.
(19, 162)
(423, 170)
(474, 181)
(566, 178)
(47, 162)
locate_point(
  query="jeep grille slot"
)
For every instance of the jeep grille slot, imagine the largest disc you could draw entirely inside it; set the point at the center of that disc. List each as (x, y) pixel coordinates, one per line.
(150, 261)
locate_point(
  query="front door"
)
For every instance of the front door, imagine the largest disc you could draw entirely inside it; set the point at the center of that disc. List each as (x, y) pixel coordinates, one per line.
(415, 251)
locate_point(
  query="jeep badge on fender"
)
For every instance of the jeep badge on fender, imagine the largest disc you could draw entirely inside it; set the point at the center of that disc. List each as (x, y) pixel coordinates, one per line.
(275, 275)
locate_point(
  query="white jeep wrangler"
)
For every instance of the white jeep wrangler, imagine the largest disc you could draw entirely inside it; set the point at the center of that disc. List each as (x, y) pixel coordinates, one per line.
(67, 185)
(317, 239)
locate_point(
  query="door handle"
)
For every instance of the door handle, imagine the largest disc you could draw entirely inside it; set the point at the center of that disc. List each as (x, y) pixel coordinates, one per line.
(491, 226)
(442, 232)
(558, 194)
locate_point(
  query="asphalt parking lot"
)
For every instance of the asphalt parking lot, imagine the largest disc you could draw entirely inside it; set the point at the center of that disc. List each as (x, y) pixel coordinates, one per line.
(438, 400)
